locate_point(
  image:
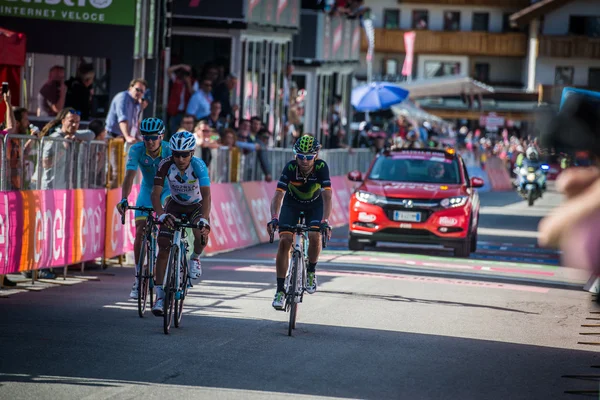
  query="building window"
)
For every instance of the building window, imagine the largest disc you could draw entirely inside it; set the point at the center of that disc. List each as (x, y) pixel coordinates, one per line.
(451, 21)
(481, 22)
(584, 26)
(435, 69)
(390, 66)
(594, 78)
(420, 19)
(563, 76)
(482, 72)
(391, 19)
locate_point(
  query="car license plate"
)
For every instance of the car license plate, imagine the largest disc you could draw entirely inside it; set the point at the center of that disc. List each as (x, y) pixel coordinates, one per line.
(407, 216)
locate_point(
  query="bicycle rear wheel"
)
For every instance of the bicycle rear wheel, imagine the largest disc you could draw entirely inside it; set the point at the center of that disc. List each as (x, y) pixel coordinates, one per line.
(183, 292)
(142, 278)
(292, 295)
(170, 289)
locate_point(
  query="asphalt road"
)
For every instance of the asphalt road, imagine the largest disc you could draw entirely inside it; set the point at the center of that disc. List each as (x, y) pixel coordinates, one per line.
(388, 323)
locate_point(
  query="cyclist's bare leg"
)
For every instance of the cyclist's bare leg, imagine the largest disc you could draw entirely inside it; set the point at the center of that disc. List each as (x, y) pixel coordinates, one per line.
(314, 246)
(140, 225)
(164, 247)
(283, 253)
(198, 246)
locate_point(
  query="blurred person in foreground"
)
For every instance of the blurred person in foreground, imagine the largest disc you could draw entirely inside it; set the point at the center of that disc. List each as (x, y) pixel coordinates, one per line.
(574, 227)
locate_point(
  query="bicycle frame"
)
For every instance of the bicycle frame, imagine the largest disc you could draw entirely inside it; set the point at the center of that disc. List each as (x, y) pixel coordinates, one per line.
(179, 241)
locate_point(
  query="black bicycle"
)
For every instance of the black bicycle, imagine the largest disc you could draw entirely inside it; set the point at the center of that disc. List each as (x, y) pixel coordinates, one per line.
(147, 261)
(177, 280)
(295, 280)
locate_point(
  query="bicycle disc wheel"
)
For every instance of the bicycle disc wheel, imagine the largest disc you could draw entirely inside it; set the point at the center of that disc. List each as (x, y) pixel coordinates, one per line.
(142, 279)
(170, 289)
(183, 289)
(292, 295)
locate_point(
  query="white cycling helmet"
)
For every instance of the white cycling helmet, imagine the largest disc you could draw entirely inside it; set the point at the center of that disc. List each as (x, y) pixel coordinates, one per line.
(532, 154)
(182, 141)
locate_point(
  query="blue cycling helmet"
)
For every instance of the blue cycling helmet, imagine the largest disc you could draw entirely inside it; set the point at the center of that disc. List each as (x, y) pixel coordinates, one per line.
(182, 141)
(152, 126)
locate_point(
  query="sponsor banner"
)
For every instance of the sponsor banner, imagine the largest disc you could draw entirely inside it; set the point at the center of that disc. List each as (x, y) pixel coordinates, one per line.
(230, 221)
(498, 175)
(11, 231)
(119, 237)
(343, 191)
(89, 218)
(258, 198)
(114, 12)
(47, 229)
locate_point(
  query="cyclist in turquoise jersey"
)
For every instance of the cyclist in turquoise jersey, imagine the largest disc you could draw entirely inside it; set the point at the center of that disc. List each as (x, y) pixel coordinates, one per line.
(146, 156)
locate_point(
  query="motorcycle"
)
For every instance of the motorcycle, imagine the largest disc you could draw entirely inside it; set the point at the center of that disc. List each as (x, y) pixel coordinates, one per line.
(531, 182)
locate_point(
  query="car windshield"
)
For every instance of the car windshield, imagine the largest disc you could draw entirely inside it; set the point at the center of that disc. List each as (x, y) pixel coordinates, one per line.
(419, 169)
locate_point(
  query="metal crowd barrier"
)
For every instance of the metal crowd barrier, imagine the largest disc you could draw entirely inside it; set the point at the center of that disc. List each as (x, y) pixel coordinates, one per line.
(33, 163)
(30, 163)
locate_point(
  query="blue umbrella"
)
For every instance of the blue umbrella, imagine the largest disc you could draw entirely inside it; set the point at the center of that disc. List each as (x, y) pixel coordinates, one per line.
(377, 96)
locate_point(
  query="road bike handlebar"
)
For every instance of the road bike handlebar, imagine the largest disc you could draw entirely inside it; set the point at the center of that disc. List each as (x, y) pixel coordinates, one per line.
(147, 210)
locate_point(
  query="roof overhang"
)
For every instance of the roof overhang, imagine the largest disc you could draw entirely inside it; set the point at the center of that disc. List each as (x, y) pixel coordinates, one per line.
(445, 86)
(536, 10)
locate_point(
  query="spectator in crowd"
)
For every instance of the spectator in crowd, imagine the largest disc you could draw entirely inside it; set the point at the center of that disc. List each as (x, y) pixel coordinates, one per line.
(123, 115)
(17, 122)
(206, 139)
(52, 95)
(256, 126)
(182, 88)
(211, 72)
(144, 103)
(214, 120)
(199, 104)
(80, 91)
(224, 93)
(187, 123)
(245, 138)
(55, 162)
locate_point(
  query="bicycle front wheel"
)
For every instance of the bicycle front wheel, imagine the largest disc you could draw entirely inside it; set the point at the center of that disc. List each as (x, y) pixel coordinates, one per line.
(170, 290)
(291, 298)
(142, 278)
(182, 292)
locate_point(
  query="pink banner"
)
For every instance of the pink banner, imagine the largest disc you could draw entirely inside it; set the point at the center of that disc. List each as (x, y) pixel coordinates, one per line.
(409, 46)
(230, 221)
(11, 232)
(89, 224)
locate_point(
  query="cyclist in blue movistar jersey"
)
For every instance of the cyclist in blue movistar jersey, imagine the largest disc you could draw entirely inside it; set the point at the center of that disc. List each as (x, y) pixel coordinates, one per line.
(146, 156)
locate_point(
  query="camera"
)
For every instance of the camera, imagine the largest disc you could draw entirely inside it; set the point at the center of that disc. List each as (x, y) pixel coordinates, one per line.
(576, 126)
(4, 87)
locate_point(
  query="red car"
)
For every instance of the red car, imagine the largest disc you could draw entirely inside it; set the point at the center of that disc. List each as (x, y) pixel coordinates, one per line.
(422, 196)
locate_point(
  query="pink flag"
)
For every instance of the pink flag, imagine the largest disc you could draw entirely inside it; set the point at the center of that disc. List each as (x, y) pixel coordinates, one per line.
(409, 46)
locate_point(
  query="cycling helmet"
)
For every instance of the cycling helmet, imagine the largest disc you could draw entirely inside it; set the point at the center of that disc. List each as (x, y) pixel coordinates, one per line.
(152, 126)
(306, 145)
(532, 154)
(182, 141)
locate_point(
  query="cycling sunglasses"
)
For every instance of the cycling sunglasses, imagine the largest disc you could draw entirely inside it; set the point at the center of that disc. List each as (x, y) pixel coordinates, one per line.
(179, 154)
(147, 138)
(308, 157)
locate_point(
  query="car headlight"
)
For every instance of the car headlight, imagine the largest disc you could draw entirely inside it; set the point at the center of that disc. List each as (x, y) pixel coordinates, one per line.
(366, 197)
(452, 202)
(531, 176)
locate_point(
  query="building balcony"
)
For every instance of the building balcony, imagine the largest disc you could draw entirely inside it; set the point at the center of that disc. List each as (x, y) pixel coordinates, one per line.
(568, 47)
(508, 4)
(465, 43)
